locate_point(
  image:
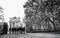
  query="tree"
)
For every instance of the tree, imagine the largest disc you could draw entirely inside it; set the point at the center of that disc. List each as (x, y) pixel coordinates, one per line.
(38, 11)
(52, 7)
(1, 9)
(1, 14)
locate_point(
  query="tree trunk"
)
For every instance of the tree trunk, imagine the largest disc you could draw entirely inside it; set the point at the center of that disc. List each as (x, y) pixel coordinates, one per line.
(52, 23)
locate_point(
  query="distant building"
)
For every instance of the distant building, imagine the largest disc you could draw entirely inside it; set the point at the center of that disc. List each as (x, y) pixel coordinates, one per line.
(15, 22)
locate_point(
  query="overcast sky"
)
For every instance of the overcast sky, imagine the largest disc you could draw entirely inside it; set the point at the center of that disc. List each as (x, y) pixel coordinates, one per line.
(13, 8)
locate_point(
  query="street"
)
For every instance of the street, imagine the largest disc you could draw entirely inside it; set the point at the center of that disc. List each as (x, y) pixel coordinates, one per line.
(32, 35)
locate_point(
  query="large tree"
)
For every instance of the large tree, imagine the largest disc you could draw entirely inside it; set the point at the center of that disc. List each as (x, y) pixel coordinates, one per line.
(41, 12)
(53, 9)
(1, 13)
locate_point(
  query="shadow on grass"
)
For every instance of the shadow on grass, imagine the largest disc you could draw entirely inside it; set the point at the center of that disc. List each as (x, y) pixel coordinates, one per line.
(52, 32)
(1, 36)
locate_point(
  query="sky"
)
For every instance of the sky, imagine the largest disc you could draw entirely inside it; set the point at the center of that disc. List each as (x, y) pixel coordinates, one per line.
(13, 8)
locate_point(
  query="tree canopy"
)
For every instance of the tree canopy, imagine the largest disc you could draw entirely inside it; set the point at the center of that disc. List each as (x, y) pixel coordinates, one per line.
(38, 11)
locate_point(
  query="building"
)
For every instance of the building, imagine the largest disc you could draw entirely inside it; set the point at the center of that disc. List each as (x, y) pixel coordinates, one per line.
(15, 22)
(16, 25)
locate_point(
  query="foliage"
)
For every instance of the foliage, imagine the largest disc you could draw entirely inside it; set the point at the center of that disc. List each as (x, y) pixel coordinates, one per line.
(38, 11)
(1, 9)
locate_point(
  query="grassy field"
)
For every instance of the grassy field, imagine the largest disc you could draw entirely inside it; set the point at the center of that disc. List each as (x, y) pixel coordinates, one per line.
(32, 35)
